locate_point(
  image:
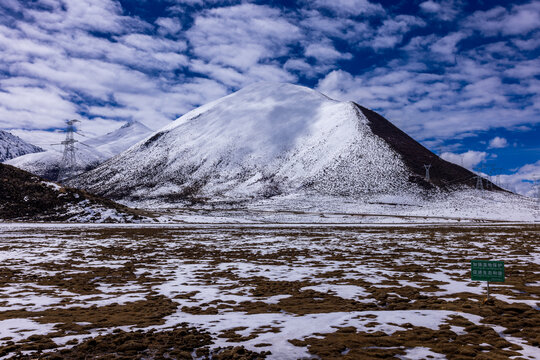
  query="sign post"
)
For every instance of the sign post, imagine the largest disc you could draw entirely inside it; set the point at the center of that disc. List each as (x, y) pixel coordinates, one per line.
(485, 270)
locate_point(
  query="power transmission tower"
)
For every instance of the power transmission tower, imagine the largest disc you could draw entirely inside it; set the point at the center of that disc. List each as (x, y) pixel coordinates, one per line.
(427, 167)
(536, 187)
(489, 173)
(69, 161)
(479, 183)
(498, 172)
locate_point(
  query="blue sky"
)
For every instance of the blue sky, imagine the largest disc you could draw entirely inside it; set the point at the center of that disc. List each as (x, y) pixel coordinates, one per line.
(463, 78)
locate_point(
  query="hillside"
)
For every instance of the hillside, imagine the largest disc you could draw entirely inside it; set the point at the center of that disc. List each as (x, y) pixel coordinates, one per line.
(26, 197)
(12, 146)
(47, 164)
(90, 153)
(115, 142)
(268, 140)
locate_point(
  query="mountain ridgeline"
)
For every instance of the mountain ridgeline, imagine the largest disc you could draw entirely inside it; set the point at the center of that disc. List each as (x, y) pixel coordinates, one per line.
(271, 140)
(12, 146)
(90, 153)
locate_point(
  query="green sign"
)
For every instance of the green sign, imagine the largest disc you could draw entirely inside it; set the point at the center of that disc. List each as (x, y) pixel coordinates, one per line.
(485, 270)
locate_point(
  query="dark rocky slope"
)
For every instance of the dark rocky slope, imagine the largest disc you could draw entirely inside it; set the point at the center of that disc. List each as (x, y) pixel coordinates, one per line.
(26, 197)
(442, 173)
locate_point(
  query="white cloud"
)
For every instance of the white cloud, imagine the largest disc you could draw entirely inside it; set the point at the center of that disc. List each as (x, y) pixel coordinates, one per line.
(325, 53)
(523, 180)
(524, 70)
(469, 159)
(95, 78)
(527, 44)
(518, 20)
(34, 107)
(447, 45)
(233, 42)
(89, 15)
(80, 68)
(444, 10)
(464, 96)
(320, 26)
(497, 142)
(43, 139)
(350, 7)
(168, 26)
(11, 4)
(392, 30)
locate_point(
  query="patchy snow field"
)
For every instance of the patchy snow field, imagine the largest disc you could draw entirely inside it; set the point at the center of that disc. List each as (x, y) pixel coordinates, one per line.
(466, 205)
(274, 291)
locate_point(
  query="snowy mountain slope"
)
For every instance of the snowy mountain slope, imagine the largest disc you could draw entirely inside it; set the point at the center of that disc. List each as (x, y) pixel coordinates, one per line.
(47, 164)
(89, 154)
(26, 197)
(12, 146)
(264, 140)
(119, 140)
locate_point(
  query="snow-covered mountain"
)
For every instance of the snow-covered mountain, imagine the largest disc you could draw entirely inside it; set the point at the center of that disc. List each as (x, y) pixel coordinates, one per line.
(119, 140)
(267, 140)
(12, 146)
(48, 164)
(90, 153)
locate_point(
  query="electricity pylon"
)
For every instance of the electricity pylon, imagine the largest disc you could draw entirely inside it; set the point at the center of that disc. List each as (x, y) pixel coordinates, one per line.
(68, 164)
(479, 183)
(536, 186)
(427, 167)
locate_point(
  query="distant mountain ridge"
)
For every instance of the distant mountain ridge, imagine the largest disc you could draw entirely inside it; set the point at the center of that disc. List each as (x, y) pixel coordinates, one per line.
(90, 153)
(12, 146)
(121, 139)
(272, 140)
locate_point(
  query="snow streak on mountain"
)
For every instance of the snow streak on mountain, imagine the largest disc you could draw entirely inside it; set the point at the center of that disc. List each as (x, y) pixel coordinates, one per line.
(12, 146)
(266, 140)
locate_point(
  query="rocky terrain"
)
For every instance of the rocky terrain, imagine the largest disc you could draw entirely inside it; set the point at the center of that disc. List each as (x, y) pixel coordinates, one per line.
(26, 197)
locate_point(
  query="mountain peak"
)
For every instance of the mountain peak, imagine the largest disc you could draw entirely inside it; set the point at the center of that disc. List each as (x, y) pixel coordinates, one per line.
(263, 140)
(264, 104)
(120, 139)
(12, 146)
(133, 124)
(272, 139)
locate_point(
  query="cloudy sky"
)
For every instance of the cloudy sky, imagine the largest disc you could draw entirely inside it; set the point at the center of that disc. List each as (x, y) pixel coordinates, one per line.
(461, 77)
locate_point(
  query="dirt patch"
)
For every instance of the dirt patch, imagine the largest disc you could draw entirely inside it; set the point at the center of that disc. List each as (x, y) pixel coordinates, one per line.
(479, 342)
(178, 343)
(150, 311)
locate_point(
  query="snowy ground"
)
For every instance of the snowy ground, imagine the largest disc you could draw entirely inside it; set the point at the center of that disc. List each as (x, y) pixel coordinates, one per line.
(302, 291)
(467, 205)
